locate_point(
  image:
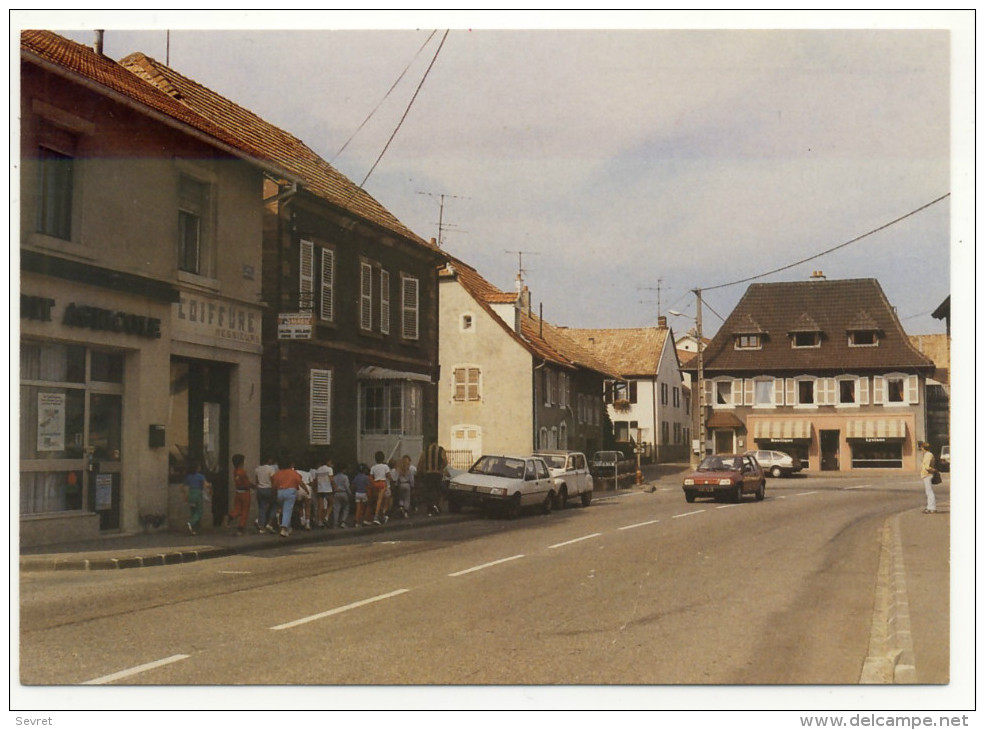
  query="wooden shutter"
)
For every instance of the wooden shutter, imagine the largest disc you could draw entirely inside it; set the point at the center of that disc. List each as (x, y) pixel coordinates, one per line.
(749, 390)
(327, 308)
(458, 384)
(828, 391)
(385, 302)
(306, 284)
(319, 400)
(709, 387)
(878, 390)
(863, 391)
(366, 296)
(913, 390)
(410, 305)
(473, 384)
(778, 391)
(791, 392)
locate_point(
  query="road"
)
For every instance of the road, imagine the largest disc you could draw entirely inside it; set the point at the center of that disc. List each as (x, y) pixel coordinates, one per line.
(640, 588)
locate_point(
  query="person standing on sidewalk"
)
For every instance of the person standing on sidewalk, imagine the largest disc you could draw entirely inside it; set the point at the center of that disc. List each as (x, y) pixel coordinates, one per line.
(361, 484)
(241, 500)
(266, 495)
(340, 498)
(195, 489)
(287, 481)
(927, 471)
(324, 476)
(431, 467)
(379, 476)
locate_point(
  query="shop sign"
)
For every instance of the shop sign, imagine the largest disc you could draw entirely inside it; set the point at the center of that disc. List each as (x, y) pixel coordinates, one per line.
(875, 441)
(104, 492)
(203, 317)
(41, 309)
(296, 326)
(51, 421)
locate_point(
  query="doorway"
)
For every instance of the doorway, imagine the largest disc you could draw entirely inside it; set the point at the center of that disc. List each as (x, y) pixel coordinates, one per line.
(830, 445)
(724, 441)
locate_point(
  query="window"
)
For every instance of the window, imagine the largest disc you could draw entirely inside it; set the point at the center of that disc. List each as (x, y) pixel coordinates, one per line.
(677, 397)
(631, 386)
(664, 432)
(749, 342)
(677, 432)
(865, 338)
(320, 407)
(805, 392)
(723, 392)
(895, 390)
(846, 392)
(391, 407)
(466, 384)
(410, 307)
(542, 438)
(562, 436)
(385, 302)
(625, 431)
(763, 393)
(467, 323)
(663, 394)
(193, 218)
(327, 304)
(806, 339)
(366, 296)
(55, 178)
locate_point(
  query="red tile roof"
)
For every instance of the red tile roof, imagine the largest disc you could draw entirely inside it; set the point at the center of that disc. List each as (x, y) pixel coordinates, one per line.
(631, 351)
(834, 307)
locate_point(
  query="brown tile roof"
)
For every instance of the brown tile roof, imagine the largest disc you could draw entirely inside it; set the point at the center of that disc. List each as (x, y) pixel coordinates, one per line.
(46, 48)
(539, 337)
(316, 174)
(633, 351)
(835, 307)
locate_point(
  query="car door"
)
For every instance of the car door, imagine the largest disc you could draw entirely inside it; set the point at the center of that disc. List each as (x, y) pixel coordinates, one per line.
(575, 474)
(752, 476)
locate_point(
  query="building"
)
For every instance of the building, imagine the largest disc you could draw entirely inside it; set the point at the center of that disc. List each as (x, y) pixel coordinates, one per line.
(350, 330)
(651, 408)
(510, 381)
(820, 369)
(140, 315)
(938, 349)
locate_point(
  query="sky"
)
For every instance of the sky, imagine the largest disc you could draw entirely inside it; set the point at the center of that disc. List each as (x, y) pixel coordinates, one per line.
(631, 164)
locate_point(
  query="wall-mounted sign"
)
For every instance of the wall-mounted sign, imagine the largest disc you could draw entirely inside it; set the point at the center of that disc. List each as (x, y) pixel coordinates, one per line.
(51, 421)
(296, 326)
(104, 492)
(108, 320)
(214, 321)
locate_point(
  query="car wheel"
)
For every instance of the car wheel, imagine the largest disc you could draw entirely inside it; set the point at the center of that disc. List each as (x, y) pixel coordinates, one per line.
(776, 472)
(548, 503)
(737, 495)
(586, 499)
(761, 493)
(513, 507)
(561, 499)
(689, 496)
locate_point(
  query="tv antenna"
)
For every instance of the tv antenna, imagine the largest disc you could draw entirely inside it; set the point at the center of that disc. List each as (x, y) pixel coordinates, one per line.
(442, 227)
(657, 289)
(520, 271)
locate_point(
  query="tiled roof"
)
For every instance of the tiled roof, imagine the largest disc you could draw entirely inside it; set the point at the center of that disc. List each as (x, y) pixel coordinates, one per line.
(938, 349)
(633, 351)
(315, 174)
(835, 307)
(539, 337)
(47, 47)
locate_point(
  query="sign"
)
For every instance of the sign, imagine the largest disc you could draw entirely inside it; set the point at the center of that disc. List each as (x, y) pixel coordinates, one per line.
(104, 492)
(298, 326)
(51, 421)
(217, 322)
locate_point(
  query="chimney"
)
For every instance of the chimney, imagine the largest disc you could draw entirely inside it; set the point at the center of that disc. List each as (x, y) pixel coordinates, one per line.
(662, 322)
(98, 44)
(818, 275)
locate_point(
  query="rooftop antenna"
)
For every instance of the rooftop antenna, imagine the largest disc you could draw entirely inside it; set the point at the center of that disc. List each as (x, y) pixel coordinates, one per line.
(657, 289)
(520, 271)
(441, 212)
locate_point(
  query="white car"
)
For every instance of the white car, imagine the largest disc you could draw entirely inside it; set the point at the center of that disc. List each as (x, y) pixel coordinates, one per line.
(505, 483)
(777, 463)
(571, 476)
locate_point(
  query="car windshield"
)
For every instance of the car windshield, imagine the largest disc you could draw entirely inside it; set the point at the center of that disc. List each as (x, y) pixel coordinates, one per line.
(554, 461)
(721, 463)
(498, 466)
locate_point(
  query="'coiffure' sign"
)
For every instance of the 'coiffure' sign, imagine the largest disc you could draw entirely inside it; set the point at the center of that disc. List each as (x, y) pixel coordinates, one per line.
(205, 320)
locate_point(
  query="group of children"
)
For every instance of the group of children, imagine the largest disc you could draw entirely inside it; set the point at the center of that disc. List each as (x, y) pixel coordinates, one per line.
(288, 497)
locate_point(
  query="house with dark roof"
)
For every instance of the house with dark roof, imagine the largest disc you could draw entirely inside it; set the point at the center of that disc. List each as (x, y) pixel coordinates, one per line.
(350, 326)
(820, 369)
(650, 407)
(511, 382)
(140, 312)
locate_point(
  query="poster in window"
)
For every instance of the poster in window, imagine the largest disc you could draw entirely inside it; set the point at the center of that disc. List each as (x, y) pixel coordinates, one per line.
(51, 421)
(104, 492)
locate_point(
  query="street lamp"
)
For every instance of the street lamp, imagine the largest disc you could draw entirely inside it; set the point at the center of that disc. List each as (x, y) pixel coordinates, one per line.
(699, 384)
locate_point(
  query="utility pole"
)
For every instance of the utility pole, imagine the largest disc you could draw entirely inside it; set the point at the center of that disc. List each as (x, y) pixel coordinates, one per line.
(701, 382)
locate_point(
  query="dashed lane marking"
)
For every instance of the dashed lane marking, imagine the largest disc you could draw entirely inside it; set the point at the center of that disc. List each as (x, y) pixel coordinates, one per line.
(137, 670)
(726, 506)
(340, 609)
(687, 514)
(484, 565)
(804, 494)
(640, 524)
(860, 486)
(577, 539)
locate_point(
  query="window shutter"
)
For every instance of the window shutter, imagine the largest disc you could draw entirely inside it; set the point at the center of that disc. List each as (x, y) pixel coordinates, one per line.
(473, 383)
(709, 399)
(749, 388)
(791, 392)
(410, 308)
(878, 390)
(778, 391)
(385, 302)
(458, 385)
(913, 389)
(306, 284)
(828, 395)
(320, 395)
(366, 297)
(328, 284)
(863, 391)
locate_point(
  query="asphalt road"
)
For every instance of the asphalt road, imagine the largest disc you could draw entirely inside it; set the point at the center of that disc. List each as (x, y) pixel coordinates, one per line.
(642, 588)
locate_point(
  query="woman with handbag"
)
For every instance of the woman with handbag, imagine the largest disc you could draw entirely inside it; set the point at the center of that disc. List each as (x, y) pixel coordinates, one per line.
(928, 473)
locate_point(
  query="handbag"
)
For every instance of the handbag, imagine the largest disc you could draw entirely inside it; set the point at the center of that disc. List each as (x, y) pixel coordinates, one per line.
(936, 478)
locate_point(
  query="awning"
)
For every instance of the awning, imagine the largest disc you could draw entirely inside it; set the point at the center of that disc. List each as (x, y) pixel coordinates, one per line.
(798, 429)
(372, 372)
(724, 419)
(876, 428)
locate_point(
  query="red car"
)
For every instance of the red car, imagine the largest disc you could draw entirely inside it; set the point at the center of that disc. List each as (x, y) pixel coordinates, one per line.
(726, 476)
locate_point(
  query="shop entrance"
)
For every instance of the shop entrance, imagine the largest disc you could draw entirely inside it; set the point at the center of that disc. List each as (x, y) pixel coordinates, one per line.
(724, 441)
(830, 444)
(200, 424)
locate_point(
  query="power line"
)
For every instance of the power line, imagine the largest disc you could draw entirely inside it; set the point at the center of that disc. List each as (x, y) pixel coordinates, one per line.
(407, 111)
(830, 250)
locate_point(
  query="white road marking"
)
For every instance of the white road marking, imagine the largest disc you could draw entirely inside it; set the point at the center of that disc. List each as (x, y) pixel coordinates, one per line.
(860, 486)
(726, 506)
(639, 524)
(484, 565)
(577, 539)
(804, 494)
(687, 514)
(137, 670)
(340, 609)
(670, 489)
(235, 572)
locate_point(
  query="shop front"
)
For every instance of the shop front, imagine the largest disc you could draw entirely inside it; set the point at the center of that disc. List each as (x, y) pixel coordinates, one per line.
(877, 443)
(791, 436)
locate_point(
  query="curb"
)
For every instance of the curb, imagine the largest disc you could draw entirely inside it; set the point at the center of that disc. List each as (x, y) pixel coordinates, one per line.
(890, 659)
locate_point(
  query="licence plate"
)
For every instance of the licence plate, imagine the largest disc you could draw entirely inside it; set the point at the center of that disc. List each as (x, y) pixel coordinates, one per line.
(706, 488)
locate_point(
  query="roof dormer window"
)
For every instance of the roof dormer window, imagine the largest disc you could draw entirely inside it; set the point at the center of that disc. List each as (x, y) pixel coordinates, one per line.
(805, 339)
(749, 342)
(863, 338)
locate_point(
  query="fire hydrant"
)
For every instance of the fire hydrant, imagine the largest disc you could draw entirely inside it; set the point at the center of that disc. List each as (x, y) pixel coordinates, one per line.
(639, 476)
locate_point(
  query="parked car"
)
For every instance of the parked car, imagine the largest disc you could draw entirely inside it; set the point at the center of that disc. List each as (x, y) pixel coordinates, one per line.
(726, 476)
(571, 476)
(608, 463)
(503, 483)
(777, 463)
(945, 460)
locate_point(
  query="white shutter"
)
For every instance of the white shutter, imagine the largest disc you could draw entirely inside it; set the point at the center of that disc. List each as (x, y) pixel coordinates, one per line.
(863, 391)
(709, 388)
(366, 297)
(829, 392)
(319, 400)
(913, 390)
(306, 284)
(749, 389)
(409, 306)
(328, 284)
(878, 390)
(385, 302)
(791, 392)
(778, 391)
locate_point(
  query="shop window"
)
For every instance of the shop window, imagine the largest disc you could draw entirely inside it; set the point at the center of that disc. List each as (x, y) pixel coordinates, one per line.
(107, 367)
(391, 407)
(877, 455)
